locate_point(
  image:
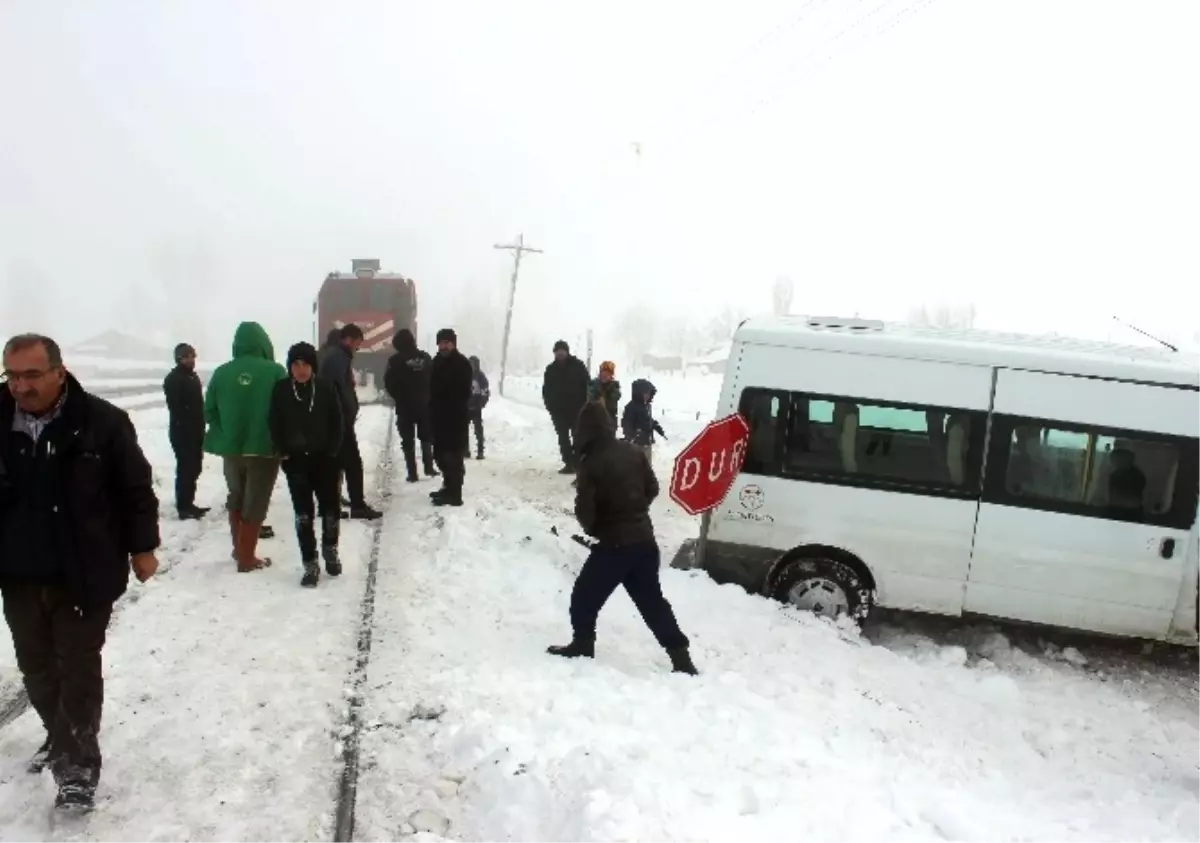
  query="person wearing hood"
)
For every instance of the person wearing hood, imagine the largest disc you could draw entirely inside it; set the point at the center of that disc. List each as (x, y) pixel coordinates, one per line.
(637, 422)
(337, 367)
(185, 429)
(612, 503)
(480, 393)
(406, 380)
(77, 513)
(236, 407)
(449, 396)
(606, 389)
(307, 428)
(564, 392)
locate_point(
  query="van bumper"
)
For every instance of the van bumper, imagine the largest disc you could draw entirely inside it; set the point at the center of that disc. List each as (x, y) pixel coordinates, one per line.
(740, 564)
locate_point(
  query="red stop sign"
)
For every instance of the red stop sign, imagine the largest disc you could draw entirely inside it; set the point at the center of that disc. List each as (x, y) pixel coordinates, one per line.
(705, 470)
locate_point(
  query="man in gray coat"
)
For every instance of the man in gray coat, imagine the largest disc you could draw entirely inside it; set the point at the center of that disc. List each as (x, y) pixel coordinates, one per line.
(336, 365)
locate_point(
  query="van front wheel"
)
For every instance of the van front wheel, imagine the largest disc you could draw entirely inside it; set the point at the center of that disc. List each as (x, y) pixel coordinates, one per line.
(824, 587)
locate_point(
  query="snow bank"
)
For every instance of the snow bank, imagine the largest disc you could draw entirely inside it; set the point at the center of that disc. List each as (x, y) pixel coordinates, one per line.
(797, 729)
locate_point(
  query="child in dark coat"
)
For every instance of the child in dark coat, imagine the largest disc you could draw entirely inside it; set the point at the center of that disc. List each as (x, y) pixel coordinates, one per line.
(637, 422)
(480, 393)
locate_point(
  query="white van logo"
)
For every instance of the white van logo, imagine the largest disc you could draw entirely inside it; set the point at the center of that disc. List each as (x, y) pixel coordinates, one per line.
(751, 497)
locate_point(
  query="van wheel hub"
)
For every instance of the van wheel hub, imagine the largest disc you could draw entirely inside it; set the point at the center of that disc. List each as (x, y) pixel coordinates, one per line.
(820, 596)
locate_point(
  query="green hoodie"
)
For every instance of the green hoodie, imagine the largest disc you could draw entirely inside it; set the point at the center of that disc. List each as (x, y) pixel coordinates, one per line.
(239, 397)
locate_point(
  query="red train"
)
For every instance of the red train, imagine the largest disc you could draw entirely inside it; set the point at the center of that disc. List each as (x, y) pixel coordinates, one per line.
(381, 303)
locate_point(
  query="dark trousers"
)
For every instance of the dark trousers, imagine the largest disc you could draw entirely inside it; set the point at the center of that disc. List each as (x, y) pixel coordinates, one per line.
(308, 477)
(636, 568)
(476, 417)
(413, 426)
(189, 459)
(564, 426)
(451, 462)
(58, 652)
(351, 464)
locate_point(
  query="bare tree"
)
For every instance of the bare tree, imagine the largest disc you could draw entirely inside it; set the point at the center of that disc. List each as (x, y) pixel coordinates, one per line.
(636, 330)
(781, 296)
(722, 326)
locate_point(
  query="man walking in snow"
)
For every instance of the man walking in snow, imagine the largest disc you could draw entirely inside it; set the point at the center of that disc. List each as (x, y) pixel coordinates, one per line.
(564, 392)
(612, 503)
(185, 428)
(449, 397)
(406, 380)
(236, 407)
(337, 367)
(480, 393)
(306, 427)
(77, 511)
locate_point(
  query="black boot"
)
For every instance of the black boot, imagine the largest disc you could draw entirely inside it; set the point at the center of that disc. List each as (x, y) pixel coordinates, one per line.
(578, 648)
(312, 574)
(681, 662)
(362, 512)
(448, 498)
(266, 531)
(410, 461)
(479, 451)
(38, 762)
(76, 796)
(427, 460)
(333, 565)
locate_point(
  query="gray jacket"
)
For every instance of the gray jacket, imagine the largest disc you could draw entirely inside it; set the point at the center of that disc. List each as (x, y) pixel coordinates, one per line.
(335, 364)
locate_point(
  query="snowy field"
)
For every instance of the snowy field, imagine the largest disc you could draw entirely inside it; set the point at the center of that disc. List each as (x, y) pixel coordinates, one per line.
(226, 695)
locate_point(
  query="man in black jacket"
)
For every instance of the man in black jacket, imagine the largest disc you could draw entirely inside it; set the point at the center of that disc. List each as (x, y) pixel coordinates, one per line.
(612, 504)
(77, 510)
(307, 429)
(185, 428)
(564, 392)
(406, 380)
(336, 365)
(449, 395)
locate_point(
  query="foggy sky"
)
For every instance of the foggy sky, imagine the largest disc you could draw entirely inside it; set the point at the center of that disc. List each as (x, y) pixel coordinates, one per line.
(174, 168)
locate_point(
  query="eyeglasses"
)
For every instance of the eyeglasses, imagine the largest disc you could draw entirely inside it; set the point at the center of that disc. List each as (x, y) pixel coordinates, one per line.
(28, 376)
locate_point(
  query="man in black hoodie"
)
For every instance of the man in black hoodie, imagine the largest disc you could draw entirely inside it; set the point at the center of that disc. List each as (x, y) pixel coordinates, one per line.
(612, 504)
(564, 392)
(336, 365)
(306, 428)
(449, 397)
(406, 380)
(185, 428)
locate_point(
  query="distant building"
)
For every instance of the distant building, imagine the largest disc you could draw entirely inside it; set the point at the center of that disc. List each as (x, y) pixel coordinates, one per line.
(117, 346)
(711, 361)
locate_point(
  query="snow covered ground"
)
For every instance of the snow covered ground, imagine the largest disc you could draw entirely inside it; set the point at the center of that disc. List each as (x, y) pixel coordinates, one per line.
(226, 695)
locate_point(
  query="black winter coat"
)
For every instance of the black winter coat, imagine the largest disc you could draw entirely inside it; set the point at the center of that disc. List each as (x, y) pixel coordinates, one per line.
(616, 484)
(481, 392)
(185, 407)
(565, 388)
(75, 505)
(449, 396)
(406, 380)
(336, 365)
(306, 418)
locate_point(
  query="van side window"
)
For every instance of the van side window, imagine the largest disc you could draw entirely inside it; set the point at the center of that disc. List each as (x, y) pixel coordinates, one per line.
(1118, 475)
(852, 441)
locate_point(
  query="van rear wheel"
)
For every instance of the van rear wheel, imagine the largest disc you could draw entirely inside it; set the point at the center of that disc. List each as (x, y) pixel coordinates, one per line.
(825, 587)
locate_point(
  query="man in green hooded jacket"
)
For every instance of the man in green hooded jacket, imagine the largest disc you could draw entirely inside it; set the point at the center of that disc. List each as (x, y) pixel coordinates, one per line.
(236, 408)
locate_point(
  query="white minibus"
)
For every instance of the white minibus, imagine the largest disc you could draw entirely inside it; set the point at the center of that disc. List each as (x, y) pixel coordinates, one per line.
(1037, 479)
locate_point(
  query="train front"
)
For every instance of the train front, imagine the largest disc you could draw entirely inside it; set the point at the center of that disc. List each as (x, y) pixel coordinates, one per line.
(380, 304)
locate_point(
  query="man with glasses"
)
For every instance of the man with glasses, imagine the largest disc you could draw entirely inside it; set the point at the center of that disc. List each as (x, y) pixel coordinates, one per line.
(77, 511)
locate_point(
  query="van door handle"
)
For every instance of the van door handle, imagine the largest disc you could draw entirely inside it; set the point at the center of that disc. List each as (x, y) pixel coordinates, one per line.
(1167, 548)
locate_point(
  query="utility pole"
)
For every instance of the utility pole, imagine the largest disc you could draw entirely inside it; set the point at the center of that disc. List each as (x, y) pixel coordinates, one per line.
(518, 249)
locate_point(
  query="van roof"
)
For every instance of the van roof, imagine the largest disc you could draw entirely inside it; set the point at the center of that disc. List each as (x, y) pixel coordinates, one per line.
(1046, 353)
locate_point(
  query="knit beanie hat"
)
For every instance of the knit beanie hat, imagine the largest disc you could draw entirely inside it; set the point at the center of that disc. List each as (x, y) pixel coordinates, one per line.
(183, 350)
(447, 335)
(608, 366)
(561, 345)
(302, 351)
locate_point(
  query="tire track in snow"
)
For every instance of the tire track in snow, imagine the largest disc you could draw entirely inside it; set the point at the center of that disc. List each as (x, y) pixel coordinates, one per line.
(352, 721)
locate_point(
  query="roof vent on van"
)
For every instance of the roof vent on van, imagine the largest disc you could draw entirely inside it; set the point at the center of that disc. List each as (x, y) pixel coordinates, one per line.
(836, 323)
